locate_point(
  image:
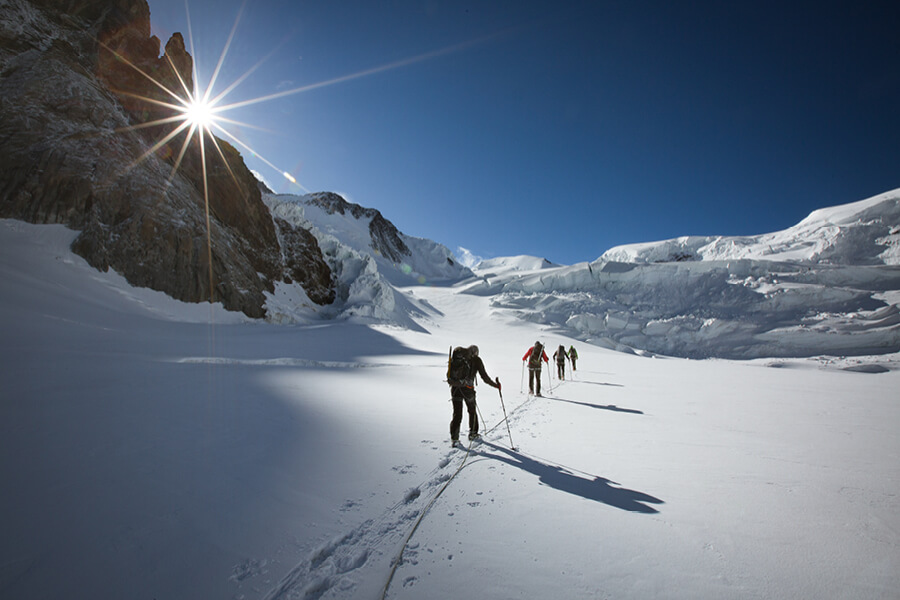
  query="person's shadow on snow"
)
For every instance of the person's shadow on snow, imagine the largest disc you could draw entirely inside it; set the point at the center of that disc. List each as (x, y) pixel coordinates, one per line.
(611, 407)
(596, 382)
(598, 489)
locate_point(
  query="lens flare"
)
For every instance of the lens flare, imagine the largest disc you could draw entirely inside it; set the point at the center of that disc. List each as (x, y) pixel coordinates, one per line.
(199, 113)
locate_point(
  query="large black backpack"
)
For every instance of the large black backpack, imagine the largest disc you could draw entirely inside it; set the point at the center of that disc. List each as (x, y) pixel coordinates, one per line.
(561, 354)
(534, 361)
(459, 372)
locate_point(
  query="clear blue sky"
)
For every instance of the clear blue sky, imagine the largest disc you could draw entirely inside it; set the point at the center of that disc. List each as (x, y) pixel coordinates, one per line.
(561, 129)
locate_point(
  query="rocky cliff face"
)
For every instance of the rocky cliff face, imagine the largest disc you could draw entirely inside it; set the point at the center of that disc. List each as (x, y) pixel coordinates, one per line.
(70, 96)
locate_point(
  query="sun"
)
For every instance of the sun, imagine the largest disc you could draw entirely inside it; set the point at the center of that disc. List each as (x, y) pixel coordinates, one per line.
(199, 113)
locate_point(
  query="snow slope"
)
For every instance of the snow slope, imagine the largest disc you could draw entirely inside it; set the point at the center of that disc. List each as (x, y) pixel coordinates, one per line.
(494, 267)
(152, 449)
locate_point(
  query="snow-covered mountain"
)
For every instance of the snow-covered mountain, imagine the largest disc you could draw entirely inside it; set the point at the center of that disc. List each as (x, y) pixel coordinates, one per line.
(367, 256)
(829, 285)
(860, 233)
(404, 259)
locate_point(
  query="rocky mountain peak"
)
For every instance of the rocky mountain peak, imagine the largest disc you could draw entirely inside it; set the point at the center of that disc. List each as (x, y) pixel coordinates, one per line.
(386, 238)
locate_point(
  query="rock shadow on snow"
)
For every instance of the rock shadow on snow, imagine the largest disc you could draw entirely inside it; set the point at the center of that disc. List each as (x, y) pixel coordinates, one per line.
(596, 488)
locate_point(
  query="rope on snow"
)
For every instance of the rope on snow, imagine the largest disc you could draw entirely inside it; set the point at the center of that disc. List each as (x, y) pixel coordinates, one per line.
(399, 558)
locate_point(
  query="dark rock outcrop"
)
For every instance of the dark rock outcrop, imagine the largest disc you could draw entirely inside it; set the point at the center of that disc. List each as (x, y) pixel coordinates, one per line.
(74, 83)
(305, 265)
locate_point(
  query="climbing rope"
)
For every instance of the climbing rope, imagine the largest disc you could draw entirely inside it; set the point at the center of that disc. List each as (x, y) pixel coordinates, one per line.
(399, 558)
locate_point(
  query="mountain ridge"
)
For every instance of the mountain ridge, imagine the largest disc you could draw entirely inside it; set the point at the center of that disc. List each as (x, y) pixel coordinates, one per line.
(862, 232)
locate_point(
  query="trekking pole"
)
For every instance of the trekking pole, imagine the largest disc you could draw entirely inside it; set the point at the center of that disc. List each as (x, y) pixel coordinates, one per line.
(522, 379)
(505, 418)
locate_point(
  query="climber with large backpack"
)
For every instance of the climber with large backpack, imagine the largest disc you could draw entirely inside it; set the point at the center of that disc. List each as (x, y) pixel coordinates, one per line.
(464, 364)
(573, 356)
(560, 355)
(534, 356)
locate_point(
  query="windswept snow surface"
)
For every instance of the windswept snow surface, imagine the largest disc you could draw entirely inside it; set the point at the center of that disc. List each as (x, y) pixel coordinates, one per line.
(152, 449)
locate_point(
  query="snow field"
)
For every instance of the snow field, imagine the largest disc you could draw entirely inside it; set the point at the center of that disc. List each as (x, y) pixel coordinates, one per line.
(741, 461)
(156, 449)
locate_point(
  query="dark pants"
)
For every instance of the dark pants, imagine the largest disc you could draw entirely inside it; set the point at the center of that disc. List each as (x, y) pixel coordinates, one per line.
(534, 380)
(458, 396)
(561, 370)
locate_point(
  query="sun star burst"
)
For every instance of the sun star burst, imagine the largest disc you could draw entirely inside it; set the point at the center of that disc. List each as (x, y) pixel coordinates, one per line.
(199, 113)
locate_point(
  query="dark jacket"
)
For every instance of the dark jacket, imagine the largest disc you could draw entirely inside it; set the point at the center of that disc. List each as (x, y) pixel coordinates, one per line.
(560, 355)
(476, 367)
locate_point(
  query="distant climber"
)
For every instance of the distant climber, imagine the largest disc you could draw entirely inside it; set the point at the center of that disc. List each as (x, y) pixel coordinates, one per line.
(534, 356)
(573, 356)
(560, 356)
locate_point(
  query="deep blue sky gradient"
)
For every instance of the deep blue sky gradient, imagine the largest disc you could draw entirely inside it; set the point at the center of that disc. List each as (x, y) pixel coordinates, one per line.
(562, 129)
